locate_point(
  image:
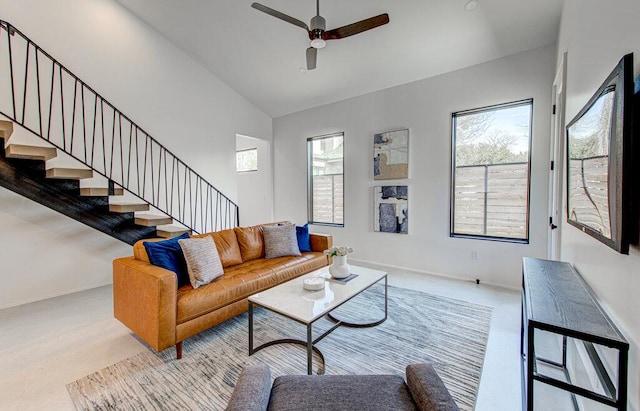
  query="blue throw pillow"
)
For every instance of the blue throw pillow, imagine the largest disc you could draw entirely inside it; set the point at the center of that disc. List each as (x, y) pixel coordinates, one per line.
(168, 254)
(303, 238)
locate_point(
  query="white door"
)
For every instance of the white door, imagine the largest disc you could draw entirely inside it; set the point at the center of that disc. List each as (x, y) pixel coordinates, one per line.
(556, 166)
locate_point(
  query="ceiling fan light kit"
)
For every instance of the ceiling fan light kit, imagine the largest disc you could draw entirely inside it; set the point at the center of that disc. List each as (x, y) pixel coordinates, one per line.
(318, 33)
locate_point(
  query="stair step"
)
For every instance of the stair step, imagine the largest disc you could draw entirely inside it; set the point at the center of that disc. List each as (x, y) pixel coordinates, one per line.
(6, 129)
(150, 220)
(69, 173)
(170, 231)
(128, 207)
(99, 191)
(30, 152)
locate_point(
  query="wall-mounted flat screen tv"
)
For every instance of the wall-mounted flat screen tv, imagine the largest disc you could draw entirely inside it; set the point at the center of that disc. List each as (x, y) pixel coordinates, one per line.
(598, 161)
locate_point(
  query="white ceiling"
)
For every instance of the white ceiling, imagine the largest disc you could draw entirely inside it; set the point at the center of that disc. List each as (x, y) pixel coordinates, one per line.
(261, 57)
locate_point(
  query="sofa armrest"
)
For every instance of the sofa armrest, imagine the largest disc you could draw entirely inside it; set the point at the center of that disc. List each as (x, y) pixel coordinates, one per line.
(144, 299)
(428, 390)
(252, 390)
(320, 242)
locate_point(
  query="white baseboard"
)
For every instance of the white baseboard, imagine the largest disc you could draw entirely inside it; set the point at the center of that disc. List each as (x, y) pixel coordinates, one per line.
(441, 275)
(54, 295)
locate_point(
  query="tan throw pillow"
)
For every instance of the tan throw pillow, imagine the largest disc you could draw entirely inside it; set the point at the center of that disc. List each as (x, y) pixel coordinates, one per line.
(250, 241)
(280, 240)
(203, 261)
(227, 245)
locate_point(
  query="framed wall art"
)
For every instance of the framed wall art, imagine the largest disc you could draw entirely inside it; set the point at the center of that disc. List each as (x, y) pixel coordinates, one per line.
(391, 155)
(391, 209)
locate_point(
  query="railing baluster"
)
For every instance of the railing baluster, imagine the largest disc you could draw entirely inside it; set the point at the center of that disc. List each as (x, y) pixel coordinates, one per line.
(13, 89)
(93, 139)
(64, 135)
(166, 182)
(53, 82)
(121, 150)
(84, 125)
(113, 143)
(104, 147)
(39, 97)
(73, 118)
(144, 167)
(173, 170)
(129, 158)
(26, 83)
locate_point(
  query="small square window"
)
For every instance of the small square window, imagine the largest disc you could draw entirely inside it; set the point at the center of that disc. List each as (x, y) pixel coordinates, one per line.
(247, 160)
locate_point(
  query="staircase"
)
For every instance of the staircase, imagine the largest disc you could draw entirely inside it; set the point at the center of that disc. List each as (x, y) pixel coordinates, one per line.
(114, 176)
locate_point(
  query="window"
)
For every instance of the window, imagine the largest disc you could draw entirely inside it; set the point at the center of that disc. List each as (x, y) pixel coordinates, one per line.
(247, 160)
(490, 175)
(325, 165)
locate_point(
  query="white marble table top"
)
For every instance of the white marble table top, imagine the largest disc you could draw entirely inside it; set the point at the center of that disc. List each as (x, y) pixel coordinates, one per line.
(292, 300)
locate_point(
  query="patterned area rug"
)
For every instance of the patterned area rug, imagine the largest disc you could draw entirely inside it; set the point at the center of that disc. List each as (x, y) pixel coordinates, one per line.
(450, 334)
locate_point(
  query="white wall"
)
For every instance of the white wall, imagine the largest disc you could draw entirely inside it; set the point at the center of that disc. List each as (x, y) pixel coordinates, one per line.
(255, 188)
(596, 35)
(425, 108)
(185, 107)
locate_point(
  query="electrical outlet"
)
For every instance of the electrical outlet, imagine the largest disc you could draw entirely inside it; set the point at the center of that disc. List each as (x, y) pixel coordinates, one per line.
(475, 256)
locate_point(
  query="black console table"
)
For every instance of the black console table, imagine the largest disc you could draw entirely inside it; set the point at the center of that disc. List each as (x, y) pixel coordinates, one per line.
(556, 299)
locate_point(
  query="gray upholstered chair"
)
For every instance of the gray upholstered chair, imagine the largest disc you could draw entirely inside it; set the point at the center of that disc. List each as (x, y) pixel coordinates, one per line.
(423, 390)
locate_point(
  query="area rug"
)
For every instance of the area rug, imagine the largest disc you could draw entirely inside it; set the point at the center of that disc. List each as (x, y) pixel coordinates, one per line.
(450, 334)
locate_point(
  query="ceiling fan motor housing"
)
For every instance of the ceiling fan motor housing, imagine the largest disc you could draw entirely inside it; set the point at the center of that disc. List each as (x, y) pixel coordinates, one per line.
(318, 24)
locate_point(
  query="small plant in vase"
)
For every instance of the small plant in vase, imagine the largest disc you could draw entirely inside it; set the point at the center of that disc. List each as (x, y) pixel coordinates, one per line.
(339, 268)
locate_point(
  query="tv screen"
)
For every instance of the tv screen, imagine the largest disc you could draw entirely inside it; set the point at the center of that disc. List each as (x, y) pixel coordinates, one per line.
(598, 150)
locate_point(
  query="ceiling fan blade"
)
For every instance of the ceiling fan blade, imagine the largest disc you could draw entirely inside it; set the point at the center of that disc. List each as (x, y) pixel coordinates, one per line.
(279, 15)
(358, 27)
(312, 56)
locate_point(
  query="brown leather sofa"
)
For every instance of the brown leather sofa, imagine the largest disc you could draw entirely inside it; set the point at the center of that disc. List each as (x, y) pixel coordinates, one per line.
(147, 298)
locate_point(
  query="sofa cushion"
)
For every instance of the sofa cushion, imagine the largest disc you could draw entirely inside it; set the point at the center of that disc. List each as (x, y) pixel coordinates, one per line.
(250, 241)
(340, 392)
(280, 240)
(241, 281)
(227, 245)
(302, 233)
(168, 254)
(203, 261)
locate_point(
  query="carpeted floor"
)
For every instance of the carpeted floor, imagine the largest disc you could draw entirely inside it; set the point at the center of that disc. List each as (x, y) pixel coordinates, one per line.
(451, 334)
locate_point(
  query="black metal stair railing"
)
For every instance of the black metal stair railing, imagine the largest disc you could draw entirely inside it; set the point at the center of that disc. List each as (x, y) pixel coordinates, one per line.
(44, 97)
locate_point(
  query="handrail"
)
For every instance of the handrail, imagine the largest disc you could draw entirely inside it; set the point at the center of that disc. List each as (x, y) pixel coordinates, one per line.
(94, 132)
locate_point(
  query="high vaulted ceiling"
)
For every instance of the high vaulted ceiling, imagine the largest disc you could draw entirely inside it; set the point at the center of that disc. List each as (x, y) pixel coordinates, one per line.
(262, 57)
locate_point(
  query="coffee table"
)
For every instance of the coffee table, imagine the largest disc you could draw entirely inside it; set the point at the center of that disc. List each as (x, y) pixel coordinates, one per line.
(291, 300)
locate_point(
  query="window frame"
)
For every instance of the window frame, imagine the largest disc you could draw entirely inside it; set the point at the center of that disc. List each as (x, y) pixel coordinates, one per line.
(310, 216)
(452, 191)
(243, 150)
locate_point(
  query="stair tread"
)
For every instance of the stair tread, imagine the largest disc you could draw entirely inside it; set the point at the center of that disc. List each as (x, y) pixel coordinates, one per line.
(99, 191)
(6, 129)
(168, 231)
(69, 173)
(30, 152)
(149, 216)
(127, 207)
(149, 220)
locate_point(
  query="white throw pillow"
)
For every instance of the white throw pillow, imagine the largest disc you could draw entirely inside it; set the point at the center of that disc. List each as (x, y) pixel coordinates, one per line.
(280, 240)
(203, 261)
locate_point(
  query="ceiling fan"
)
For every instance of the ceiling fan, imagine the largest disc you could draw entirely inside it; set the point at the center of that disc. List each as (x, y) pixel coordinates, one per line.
(318, 33)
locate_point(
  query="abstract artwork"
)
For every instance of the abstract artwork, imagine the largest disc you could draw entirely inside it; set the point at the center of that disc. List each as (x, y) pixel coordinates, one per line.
(391, 155)
(391, 211)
